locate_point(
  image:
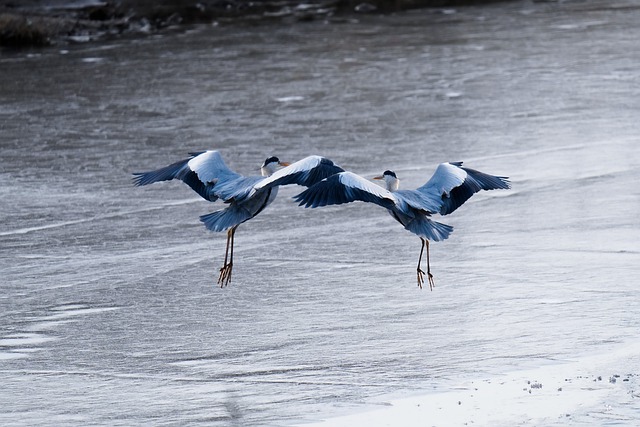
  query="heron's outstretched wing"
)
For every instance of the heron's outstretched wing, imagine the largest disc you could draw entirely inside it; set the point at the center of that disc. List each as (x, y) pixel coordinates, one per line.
(178, 170)
(210, 168)
(205, 172)
(345, 187)
(306, 172)
(451, 185)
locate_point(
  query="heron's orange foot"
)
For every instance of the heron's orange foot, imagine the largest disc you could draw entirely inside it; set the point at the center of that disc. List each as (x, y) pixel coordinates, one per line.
(225, 275)
(421, 278)
(432, 284)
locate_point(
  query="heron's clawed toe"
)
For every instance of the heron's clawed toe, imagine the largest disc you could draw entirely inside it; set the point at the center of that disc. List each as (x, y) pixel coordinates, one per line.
(225, 275)
(420, 273)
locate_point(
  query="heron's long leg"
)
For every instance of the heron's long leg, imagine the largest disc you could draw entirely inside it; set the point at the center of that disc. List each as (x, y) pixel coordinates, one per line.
(429, 275)
(226, 257)
(226, 252)
(233, 238)
(419, 270)
(225, 271)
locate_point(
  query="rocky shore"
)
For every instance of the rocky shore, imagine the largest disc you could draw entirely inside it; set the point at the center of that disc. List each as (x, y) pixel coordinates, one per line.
(29, 23)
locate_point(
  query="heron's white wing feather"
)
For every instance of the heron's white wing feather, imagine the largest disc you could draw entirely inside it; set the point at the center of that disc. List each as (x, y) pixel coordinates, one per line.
(352, 181)
(210, 168)
(296, 168)
(306, 172)
(451, 185)
(345, 187)
(446, 177)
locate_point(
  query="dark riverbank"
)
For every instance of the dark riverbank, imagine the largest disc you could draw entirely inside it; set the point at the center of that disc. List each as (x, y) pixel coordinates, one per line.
(52, 22)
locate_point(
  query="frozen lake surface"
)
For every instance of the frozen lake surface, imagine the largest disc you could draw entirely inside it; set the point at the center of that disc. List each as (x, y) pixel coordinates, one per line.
(109, 312)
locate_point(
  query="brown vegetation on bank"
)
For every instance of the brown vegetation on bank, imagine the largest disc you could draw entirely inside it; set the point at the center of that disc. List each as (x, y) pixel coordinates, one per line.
(46, 22)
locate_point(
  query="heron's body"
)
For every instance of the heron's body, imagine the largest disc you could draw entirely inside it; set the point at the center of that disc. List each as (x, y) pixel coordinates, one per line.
(247, 196)
(449, 187)
(239, 211)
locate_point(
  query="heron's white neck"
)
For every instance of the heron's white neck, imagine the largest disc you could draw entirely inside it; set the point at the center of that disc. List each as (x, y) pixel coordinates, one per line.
(269, 169)
(392, 183)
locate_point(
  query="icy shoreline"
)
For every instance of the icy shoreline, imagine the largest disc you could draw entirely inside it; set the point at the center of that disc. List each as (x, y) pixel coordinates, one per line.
(591, 389)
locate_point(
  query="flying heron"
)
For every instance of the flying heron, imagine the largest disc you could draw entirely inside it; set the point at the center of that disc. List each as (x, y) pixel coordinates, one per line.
(208, 175)
(450, 186)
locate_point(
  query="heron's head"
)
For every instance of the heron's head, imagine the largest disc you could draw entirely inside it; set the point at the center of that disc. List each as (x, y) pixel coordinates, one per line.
(390, 179)
(270, 165)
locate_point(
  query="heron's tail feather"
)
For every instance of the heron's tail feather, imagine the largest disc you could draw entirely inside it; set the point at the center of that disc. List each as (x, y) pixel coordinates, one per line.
(225, 218)
(429, 229)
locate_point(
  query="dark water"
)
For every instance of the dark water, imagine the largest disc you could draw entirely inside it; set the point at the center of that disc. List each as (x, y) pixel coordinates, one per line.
(109, 313)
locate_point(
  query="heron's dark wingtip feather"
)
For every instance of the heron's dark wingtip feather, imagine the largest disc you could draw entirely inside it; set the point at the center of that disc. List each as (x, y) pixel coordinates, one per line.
(506, 184)
(178, 170)
(490, 182)
(137, 178)
(303, 198)
(475, 182)
(325, 169)
(316, 195)
(146, 178)
(166, 173)
(485, 181)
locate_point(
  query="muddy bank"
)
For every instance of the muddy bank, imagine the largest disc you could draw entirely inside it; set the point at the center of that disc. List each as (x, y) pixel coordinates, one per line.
(51, 22)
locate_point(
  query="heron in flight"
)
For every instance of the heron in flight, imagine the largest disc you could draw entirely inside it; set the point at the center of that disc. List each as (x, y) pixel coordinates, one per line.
(450, 186)
(208, 175)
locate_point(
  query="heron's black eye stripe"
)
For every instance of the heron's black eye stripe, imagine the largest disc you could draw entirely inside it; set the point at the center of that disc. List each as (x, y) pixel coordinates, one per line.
(272, 159)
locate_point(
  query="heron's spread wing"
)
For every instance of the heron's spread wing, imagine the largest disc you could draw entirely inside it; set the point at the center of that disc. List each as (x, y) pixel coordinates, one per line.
(173, 171)
(345, 187)
(306, 172)
(205, 172)
(451, 185)
(236, 189)
(178, 170)
(225, 183)
(210, 168)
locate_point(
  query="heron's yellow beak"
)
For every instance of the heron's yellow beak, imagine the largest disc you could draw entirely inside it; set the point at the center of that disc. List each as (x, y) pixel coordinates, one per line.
(284, 163)
(378, 177)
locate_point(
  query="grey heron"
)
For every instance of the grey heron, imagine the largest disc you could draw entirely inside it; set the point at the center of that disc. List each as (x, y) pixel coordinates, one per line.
(247, 196)
(450, 186)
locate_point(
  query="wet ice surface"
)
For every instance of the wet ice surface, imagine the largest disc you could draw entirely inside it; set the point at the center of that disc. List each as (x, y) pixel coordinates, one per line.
(109, 313)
